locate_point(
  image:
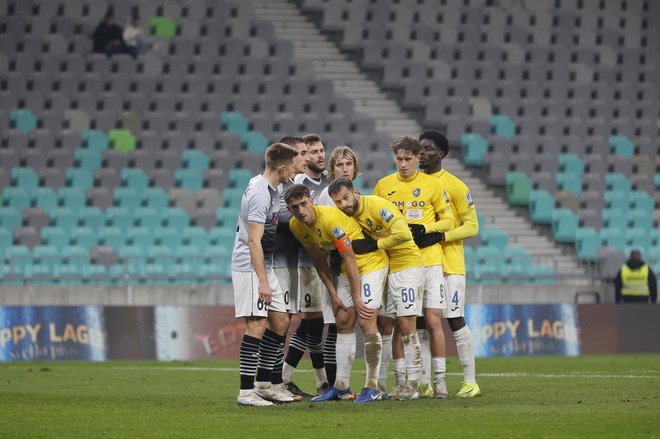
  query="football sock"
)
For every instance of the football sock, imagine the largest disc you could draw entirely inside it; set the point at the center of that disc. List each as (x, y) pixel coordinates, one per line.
(465, 350)
(270, 344)
(346, 346)
(279, 362)
(385, 358)
(315, 346)
(329, 353)
(413, 357)
(399, 367)
(373, 347)
(297, 347)
(439, 368)
(425, 368)
(249, 356)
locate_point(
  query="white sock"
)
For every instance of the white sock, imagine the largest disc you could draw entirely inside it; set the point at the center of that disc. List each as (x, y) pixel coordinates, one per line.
(321, 377)
(287, 372)
(439, 368)
(413, 356)
(465, 350)
(425, 368)
(385, 358)
(345, 354)
(373, 349)
(399, 367)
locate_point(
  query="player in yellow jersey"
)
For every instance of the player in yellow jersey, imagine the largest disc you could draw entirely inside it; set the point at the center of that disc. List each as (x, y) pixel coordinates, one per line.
(420, 199)
(434, 148)
(359, 291)
(386, 229)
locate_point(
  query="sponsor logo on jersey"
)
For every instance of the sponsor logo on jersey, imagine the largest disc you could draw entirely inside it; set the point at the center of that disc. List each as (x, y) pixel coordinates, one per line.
(386, 215)
(468, 198)
(347, 242)
(389, 194)
(338, 232)
(416, 192)
(415, 203)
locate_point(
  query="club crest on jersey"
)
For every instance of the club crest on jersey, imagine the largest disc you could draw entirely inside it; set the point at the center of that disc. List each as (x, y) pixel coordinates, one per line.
(386, 215)
(338, 232)
(468, 198)
(318, 233)
(347, 242)
(416, 192)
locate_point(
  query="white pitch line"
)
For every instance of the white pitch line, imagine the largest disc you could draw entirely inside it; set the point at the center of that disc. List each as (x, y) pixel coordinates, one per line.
(486, 374)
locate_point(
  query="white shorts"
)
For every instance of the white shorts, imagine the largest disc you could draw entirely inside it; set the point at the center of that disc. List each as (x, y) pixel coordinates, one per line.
(311, 291)
(434, 289)
(455, 296)
(403, 288)
(288, 279)
(372, 288)
(246, 295)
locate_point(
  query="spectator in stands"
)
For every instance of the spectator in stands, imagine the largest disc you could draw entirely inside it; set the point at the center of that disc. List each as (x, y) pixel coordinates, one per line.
(134, 36)
(635, 282)
(108, 38)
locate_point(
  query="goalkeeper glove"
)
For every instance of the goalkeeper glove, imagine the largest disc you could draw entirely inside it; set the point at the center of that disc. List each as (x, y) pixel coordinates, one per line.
(366, 245)
(417, 230)
(429, 240)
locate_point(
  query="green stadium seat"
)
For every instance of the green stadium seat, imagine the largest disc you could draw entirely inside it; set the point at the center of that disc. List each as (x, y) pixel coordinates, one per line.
(84, 237)
(617, 182)
(134, 178)
(24, 178)
(255, 142)
(149, 217)
(541, 274)
(45, 199)
(516, 264)
(55, 237)
(155, 198)
(616, 199)
(169, 237)
(88, 159)
(46, 261)
(6, 239)
(654, 237)
(642, 201)
(227, 216)
(127, 197)
(195, 159)
(474, 148)
(541, 206)
(162, 27)
(91, 217)
(20, 257)
(239, 178)
(222, 237)
(489, 265)
(196, 236)
(613, 237)
(570, 183)
(23, 120)
(614, 218)
(190, 179)
(122, 140)
(113, 236)
(503, 126)
(175, 217)
(587, 244)
(637, 237)
(640, 219)
(570, 163)
(95, 140)
(119, 217)
(73, 197)
(65, 218)
(233, 197)
(234, 122)
(140, 236)
(79, 178)
(493, 237)
(17, 198)
(564, 225)
(656, 181)
(622, 145)
(518, 187)
(10, 218)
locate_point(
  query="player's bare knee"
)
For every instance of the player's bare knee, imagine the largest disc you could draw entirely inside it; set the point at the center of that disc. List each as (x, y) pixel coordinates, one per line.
(406, 325)
(385, 325)
(278, 322)
(255, 326)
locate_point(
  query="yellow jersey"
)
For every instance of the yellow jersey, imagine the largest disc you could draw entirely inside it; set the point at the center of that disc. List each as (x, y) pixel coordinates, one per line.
(333, 230)
(420, 200)
(387, 225)
(464, 215)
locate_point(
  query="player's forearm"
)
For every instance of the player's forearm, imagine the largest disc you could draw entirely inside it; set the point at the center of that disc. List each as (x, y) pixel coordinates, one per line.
(353, 274)
(444, 224)
(399, 233)
(468, 229)
(257, 259)
(323, 270)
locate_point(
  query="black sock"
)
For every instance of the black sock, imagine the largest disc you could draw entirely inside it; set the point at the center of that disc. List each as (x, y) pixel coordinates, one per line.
(270, 343)
(329, 353)
(315, 342)
(249, 356)
(298, 344)
(279, 363)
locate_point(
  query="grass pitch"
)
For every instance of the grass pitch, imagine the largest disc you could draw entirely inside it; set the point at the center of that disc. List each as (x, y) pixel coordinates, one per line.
(595, 396)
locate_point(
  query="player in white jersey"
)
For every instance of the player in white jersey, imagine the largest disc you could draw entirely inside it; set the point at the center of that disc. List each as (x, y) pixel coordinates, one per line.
(258, 297)
(311, 299)
(285, 253)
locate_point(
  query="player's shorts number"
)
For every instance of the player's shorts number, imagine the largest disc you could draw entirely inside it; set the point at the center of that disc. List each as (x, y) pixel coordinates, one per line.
(407, 294)
(286, 297)
(454, 298)
(308, 299)
(261, 305)
(366, 290)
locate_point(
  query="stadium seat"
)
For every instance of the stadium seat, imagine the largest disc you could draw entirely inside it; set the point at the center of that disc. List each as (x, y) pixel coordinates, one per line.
(518, 187)
(564, 225)
(587, 243)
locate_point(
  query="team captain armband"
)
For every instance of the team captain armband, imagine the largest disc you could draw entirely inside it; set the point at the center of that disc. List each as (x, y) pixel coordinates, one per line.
(342, 240)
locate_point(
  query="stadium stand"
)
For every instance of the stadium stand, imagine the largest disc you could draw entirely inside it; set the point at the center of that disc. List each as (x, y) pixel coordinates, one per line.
(122, 171)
